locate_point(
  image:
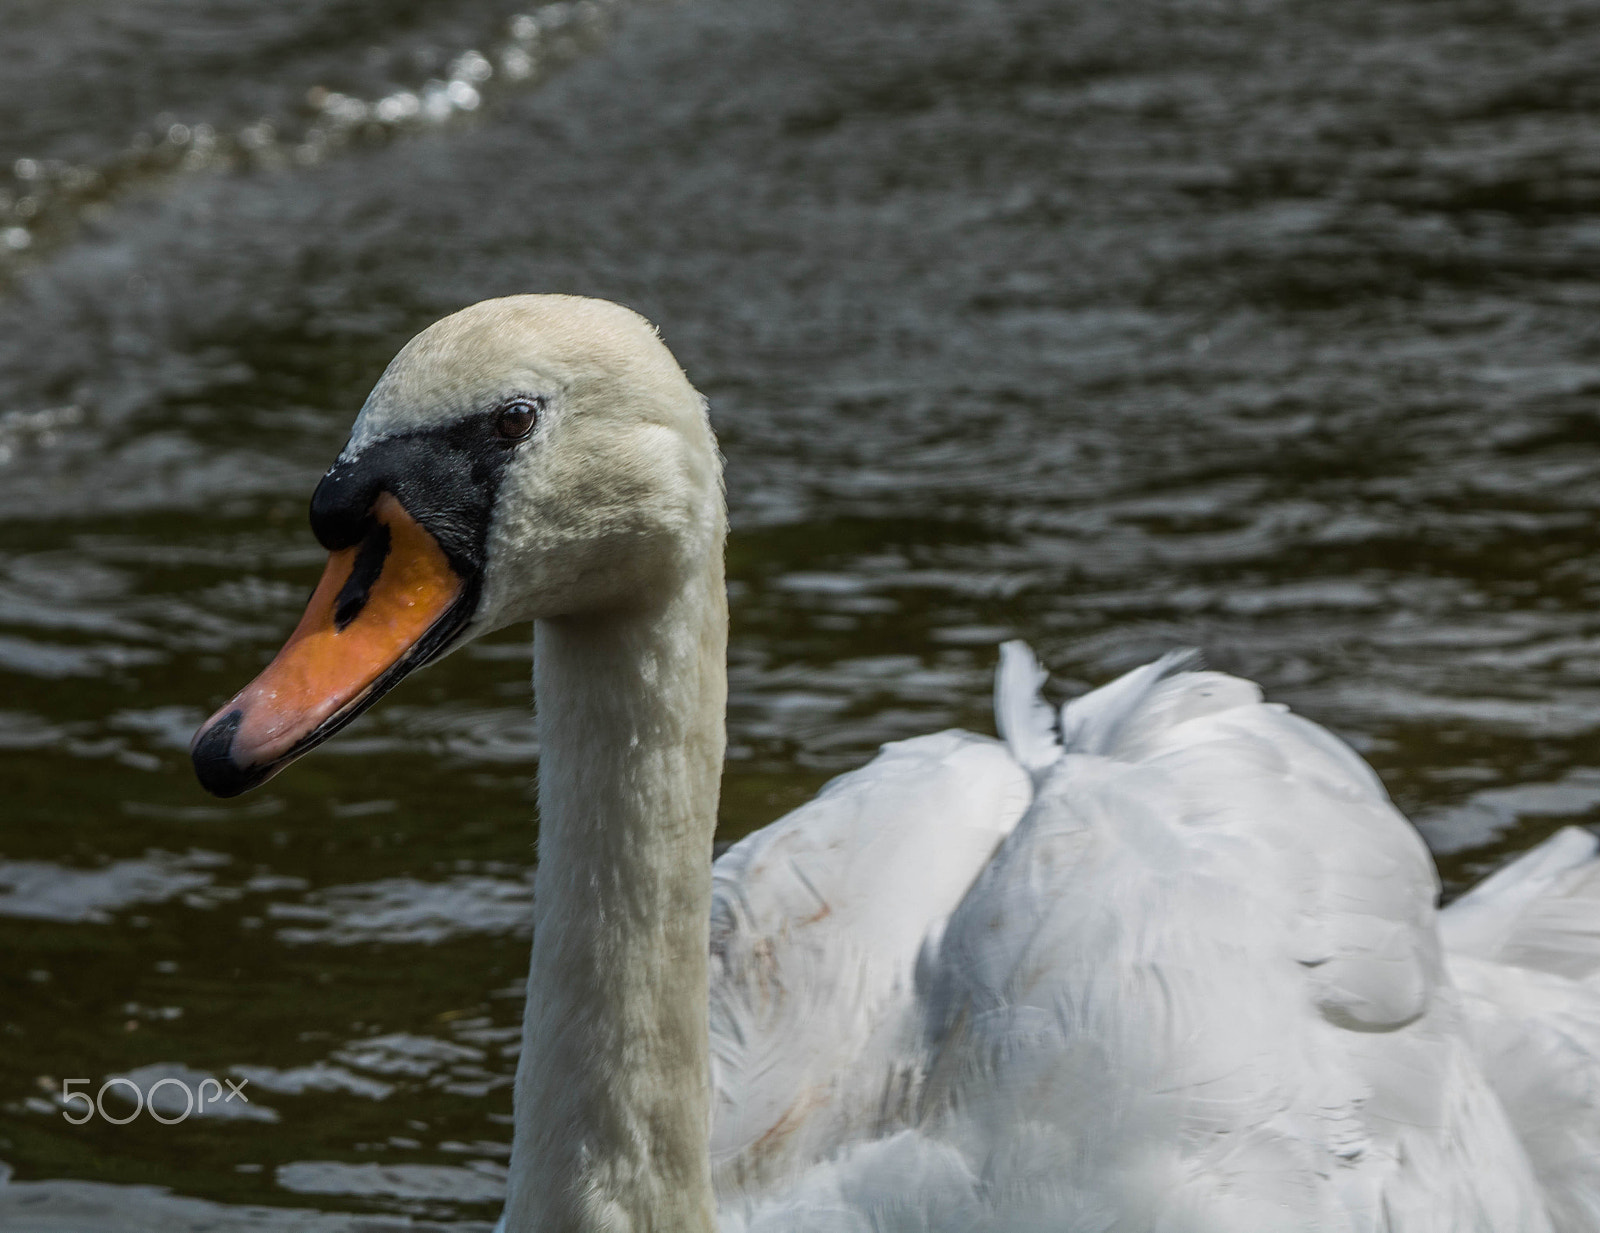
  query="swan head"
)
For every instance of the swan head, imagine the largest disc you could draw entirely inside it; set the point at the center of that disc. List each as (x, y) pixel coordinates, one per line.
(534, 457)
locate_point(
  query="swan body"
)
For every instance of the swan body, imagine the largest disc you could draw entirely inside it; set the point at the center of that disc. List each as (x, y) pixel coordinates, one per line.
(1198, 985)
(1167, 961)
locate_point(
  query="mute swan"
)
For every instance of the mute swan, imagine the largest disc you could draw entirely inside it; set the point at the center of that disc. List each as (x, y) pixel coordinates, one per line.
(1167, 961)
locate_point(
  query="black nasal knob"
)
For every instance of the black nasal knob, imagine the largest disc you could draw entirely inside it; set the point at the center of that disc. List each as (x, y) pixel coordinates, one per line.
(341, 507)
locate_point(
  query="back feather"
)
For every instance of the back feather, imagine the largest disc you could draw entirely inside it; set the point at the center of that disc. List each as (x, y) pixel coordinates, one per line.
(1096, 722)
(1025, 723)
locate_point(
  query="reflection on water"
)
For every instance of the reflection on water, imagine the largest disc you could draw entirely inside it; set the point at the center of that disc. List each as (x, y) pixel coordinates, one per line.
(1269, 329)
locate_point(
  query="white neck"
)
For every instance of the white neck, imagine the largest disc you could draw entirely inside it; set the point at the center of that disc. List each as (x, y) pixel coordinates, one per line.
(613, 1084)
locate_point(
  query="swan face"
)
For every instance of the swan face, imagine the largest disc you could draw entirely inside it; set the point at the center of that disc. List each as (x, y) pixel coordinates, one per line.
(536, 457)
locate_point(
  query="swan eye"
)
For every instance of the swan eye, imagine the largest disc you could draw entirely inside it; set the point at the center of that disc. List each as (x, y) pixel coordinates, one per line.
(515, 420)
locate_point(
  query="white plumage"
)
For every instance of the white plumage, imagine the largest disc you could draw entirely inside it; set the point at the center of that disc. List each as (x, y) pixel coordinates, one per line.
(1171, 963)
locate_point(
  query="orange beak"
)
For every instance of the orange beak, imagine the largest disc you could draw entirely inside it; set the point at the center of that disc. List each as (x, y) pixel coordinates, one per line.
(383, 607)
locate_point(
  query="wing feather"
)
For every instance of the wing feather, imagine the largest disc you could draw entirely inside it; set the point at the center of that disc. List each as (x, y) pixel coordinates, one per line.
(1524, 948)
(817, 924)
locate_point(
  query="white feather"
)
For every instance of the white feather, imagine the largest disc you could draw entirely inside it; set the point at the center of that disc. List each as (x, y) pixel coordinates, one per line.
(1025, 723)
(1094, 723)
(1542, 910)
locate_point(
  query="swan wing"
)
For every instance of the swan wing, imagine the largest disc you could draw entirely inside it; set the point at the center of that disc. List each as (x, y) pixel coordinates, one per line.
(1524, 949)
(1200, 987)
(1541, 911)
(1537, 1035)
(817, 924)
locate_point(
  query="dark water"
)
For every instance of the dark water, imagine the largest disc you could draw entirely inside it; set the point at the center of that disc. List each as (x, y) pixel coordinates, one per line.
(1269, 327)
